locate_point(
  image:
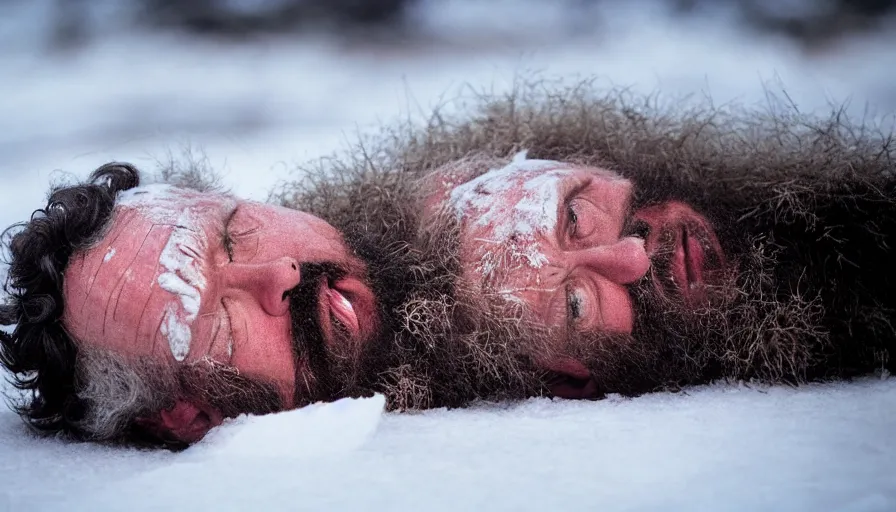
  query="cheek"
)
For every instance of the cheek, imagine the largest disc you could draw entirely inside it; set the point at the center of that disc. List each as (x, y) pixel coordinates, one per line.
(615, 310)
(512, 263)
(267, 353)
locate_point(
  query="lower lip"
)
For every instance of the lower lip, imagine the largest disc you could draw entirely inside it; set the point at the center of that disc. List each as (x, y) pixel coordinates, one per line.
(341, 309)
(334, 304)
(687, 268)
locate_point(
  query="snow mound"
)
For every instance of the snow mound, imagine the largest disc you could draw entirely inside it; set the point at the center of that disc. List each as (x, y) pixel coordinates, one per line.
(316, 430)
(721, 447)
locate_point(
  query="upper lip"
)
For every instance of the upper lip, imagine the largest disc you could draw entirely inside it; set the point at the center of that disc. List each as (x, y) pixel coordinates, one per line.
(350, 303)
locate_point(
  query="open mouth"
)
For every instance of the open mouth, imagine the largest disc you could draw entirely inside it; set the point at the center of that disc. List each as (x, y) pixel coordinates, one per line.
(689, 265)
(339, 319)
(347, 309)
(687, 261)
(692, 264)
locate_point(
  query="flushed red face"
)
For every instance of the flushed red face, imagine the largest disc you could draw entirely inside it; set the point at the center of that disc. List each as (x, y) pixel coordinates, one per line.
(564, 241)
(687, 260)
(182, 276)
(551, 235)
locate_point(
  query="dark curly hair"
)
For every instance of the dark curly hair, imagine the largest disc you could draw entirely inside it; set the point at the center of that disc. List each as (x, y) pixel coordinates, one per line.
(40, 353)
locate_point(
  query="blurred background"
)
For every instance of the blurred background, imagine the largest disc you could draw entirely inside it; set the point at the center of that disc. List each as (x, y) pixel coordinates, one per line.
(254, 86)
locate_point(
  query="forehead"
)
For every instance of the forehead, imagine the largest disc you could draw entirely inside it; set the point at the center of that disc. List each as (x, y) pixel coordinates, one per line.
(148, 267)
(524, 187)
(168, 205)
(519, 198)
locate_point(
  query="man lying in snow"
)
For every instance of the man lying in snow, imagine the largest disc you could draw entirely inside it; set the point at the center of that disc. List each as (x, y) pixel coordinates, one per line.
(149, 314)
(650, 248)
(156, 312)
(676, 249)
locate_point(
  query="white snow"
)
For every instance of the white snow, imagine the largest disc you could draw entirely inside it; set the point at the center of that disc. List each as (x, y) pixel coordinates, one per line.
(177, 331)
(146, 196)
(183, 276)
(733, 448)
(317, 430)
(517, 206)
(257, 108)
(109, 255)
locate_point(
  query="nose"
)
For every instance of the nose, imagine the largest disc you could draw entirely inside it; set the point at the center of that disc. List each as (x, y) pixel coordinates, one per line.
(265, 282)
(622, 262)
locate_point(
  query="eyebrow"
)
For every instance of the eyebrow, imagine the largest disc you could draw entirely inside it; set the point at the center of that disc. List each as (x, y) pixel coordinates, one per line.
(566, 197)
(578, 188)
(225, 238)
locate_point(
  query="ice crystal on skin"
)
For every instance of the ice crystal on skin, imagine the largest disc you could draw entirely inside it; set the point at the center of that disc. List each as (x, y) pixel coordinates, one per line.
(514, 227)
(177, 332)
(183, 275)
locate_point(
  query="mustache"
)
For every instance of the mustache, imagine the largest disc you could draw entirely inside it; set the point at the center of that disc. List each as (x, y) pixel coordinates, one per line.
(671, 238)
(309, 344)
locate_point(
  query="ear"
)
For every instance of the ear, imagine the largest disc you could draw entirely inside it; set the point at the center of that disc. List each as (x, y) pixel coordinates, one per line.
(186, 421)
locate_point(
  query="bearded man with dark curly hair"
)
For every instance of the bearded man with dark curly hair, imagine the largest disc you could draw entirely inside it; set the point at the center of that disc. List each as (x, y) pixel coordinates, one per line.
(569, 244)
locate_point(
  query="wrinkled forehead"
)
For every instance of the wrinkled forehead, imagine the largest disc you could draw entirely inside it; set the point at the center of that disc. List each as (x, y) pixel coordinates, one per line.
(521, 197)
(152, 227)
(169, 205)
(158, 239)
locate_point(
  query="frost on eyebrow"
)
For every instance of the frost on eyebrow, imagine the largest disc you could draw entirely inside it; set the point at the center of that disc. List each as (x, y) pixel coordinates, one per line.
(182, 257)
(163, 203)
(184, 277)
(517, 202)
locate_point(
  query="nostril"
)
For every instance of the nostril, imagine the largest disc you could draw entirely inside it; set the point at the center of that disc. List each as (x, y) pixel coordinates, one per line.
(295, 267)
(640, 229)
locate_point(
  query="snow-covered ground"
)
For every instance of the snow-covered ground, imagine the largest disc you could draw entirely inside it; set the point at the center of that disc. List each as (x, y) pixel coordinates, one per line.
(815, 448)
(256, 109)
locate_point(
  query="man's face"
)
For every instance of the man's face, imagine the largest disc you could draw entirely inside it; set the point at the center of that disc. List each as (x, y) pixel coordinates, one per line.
(182, 277)
(551, 236)
(565, 242)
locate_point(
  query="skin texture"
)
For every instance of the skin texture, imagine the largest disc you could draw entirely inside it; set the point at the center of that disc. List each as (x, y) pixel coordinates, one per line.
(553, 237)
(219, 268)
(695, 262)
(565, 242)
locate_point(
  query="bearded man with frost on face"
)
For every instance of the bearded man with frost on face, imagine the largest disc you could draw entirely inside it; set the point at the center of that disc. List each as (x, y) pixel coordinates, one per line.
(627, 247)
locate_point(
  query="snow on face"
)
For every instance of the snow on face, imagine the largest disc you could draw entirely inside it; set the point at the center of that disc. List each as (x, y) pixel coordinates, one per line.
(517, 205)
(181, 264)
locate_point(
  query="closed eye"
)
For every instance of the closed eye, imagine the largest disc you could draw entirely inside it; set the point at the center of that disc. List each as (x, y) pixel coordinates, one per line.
(572, 220)
(227, 240)
(574, 305)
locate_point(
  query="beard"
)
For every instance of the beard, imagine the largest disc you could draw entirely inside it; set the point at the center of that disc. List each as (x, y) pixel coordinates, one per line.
(439, 345)
(117, 394)
(787, 307)
(803, 208)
